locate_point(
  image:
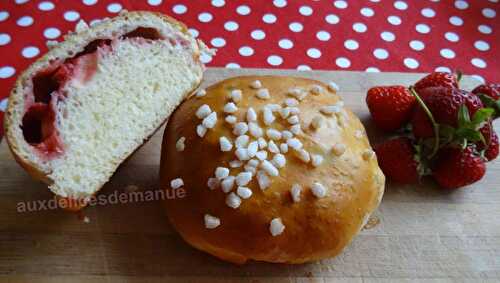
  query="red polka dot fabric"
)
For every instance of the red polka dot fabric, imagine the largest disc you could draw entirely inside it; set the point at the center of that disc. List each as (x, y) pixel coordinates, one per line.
(369, 35)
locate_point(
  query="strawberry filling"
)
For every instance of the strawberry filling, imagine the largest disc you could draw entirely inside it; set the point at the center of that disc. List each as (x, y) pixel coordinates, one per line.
(39, 121)
(39, 130)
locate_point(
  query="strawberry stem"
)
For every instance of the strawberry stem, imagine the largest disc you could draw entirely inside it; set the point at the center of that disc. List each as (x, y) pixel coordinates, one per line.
(458, 74)
(435, 125)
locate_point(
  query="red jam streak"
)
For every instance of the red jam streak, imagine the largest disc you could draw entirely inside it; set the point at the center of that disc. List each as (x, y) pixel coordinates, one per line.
(39, 130)
(39, 121)
(146, 33)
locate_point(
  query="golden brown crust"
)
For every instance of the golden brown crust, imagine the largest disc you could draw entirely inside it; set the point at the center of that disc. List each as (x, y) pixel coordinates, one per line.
(316, 228)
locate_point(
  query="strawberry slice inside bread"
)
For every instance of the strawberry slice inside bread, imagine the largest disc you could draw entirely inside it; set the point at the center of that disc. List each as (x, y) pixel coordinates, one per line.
(93, 99)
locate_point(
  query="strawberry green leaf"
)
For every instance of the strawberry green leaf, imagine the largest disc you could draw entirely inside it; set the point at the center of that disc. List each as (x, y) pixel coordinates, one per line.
(491, 103)
(463, 116)
(482, 115)
(468, 134)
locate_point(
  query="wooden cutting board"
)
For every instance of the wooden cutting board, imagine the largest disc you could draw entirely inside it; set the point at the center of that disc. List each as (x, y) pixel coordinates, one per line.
(419, 232)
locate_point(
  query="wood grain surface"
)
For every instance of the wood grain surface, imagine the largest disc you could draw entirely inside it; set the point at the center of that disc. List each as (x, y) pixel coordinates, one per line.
(419, 233)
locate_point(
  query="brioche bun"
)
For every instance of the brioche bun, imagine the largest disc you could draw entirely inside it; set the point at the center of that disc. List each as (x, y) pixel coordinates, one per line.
(81, 109)
(340, 185)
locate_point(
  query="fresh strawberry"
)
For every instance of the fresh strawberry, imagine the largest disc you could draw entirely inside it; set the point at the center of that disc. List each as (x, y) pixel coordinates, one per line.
(456, 167)
(491, 90)
(490, 96)
(421, 125)
(443, 103)
(436, 79)
(390, 106)
(491, 148)
(397, 160)
(472, 101)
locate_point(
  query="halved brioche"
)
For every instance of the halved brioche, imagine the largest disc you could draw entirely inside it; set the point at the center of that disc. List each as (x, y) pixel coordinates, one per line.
(93, 99)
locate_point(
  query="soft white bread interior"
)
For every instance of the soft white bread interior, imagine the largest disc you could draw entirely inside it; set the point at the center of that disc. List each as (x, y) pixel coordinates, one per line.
(93, 99)
(273, 169)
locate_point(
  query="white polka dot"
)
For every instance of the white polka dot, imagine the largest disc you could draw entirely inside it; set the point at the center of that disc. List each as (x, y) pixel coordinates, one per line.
(380, 53)
(231, 26)
(484, 29)
(313, 53)
(372, 70)
(461, 5)
(205, 17)
(359, 27)
(332, 19)
(205, 58)
(4, 15)
(218, 3)
(194, 32)
(340, 4)
(417, 45)
(279, 3)
(323, 35)
(447, 53)
(246, 51)
(351, 44)
(478, 62)
(71, 16)
(30, 52)
(179, 9)
(367, 12)
(51, 33)
(394, 20)
(296, 27)
(482, 45)
(456, 21)
(243, 10)
(375, 1)
(232, 66)
(7, 72)
(489, 13)
(411, 63)
(400, 5)
(428, 12)
(479, 78)
(303, 68)
(422, 28)
(218, 42)
(443, 69)
(343, 62)
(4, 39)
(305, 10)
(269, 18)
(285, 43)
(25, 21)
(114, 7)
(21, 1)
(154, 2)
(274, 60)
(387, 36)
(451, 36)
(46, 6)
(3, 104)
(258, 34)
(89, 2)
